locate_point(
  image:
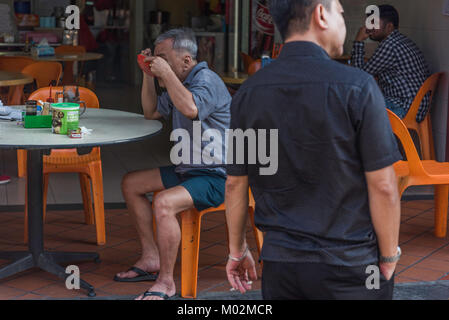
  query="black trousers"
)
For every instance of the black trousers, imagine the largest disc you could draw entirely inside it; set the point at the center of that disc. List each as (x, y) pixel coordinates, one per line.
(313, 281)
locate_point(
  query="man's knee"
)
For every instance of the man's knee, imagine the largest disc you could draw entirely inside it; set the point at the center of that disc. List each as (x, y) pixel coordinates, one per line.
(131, 185)
(163, 206)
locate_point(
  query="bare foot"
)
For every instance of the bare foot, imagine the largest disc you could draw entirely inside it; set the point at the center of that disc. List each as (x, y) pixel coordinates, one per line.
(164, 286)
(148, 265)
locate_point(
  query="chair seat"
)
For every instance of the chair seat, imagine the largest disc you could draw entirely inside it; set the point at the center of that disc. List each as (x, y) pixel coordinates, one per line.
(433, 168)
(70, 158)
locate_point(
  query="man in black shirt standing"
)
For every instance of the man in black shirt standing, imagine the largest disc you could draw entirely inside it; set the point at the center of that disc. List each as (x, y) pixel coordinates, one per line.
(331, 212)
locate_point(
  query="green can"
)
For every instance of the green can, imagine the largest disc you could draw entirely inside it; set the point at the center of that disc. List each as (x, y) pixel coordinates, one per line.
(65, 117)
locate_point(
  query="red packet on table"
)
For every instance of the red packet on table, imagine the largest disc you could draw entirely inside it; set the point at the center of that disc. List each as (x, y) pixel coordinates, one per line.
(144, 65)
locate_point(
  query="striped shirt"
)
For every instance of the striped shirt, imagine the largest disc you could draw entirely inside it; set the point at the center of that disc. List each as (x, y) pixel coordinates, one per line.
(400, 69)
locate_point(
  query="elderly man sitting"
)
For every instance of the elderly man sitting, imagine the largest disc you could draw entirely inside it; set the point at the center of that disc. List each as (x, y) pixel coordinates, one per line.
(196, 97)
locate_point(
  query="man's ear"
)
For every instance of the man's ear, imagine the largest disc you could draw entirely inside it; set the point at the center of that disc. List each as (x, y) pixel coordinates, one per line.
(320, 17)
(390, 27)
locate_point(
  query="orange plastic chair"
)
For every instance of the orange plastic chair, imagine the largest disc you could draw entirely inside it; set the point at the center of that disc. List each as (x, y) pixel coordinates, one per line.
(255, 66)
(88, 166)
(68, 65)
(423, 128)
(190, 243)
(247, 60)
(43, 73)
(417, 172)
(14, 64)
(14, 95)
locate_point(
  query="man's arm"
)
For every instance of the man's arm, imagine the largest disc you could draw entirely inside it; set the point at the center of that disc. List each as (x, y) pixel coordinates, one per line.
(385, 207)
(382, 59)
(149, 98)
(181, 97)
(237, 212)
(236, 218)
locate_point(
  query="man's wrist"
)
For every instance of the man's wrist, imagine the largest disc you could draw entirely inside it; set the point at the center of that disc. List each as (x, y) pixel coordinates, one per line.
(240, 256)
(238, 250)
(391, 258)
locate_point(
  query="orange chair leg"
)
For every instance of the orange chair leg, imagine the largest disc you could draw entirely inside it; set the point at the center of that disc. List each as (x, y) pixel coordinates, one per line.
(87, 198)
(21, 163)
(441, 203)
(190, 240)
(97, 182)
(257, 233)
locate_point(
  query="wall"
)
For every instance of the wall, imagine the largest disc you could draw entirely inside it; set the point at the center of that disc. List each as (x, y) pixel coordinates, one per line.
(180, 10)
(423, 22)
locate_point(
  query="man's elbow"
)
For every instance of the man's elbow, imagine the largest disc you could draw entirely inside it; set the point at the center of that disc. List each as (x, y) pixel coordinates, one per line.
(388, 190)
(192, 113)
(149, 117)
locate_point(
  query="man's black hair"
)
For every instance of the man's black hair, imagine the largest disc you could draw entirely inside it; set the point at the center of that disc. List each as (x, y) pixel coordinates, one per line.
(292, 16)
(389, 14)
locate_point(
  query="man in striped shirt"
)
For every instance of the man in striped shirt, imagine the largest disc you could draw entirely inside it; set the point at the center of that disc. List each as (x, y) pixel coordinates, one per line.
(398, 64)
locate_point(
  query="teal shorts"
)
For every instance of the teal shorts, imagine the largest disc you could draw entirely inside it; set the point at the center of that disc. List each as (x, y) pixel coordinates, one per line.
(398, 110)
(206, 187)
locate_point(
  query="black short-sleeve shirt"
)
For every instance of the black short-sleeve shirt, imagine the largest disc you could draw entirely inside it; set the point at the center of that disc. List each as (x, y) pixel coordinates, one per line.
(332, 128)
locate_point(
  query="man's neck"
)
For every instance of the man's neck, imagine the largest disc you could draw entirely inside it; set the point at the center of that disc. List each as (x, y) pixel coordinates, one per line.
(306, 37)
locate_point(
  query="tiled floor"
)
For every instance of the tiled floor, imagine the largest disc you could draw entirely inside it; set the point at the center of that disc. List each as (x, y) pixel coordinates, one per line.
(425, 258)
(65, 231)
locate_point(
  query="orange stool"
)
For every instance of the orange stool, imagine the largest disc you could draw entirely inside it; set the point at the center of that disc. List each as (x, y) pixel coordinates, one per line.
(190, 244)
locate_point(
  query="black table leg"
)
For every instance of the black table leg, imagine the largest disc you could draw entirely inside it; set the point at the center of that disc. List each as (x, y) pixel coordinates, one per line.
(37, 256)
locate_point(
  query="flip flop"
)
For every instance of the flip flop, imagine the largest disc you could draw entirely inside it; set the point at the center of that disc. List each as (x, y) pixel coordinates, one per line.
(141, 276)
(159, 294)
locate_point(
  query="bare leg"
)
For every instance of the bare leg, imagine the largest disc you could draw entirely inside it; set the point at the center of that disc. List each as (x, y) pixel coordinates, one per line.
(135, 186)
(166, 206)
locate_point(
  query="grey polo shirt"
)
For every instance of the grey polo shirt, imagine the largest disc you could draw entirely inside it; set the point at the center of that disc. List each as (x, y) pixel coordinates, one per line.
(213, 101)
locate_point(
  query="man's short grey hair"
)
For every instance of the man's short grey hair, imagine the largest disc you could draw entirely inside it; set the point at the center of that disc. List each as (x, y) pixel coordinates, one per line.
(183, 39)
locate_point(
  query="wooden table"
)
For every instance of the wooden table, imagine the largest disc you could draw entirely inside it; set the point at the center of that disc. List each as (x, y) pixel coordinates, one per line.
(234, 77)
(15, 80)
(59, 57)
(110, 127)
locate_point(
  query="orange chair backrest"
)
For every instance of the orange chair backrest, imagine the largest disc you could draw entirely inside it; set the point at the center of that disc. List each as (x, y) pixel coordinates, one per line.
(70, 49)
(86, 95)
(401, 131)
(44, 72)
(424, 128)
(14, 64)
(255, 66)
(247, 60)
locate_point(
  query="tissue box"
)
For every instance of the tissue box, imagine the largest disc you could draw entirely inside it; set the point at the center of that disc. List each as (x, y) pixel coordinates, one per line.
(42, 51)
(34, 122)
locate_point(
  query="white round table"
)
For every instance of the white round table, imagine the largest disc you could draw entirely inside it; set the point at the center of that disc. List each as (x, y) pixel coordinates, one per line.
(109, 127)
